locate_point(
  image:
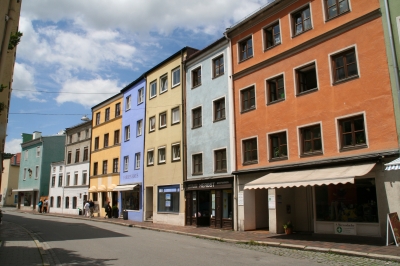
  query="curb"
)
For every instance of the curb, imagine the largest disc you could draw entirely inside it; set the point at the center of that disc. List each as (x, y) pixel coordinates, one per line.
(235, 241)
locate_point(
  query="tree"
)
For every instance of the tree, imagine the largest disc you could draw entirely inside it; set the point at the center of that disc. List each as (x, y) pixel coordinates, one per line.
(15, 38)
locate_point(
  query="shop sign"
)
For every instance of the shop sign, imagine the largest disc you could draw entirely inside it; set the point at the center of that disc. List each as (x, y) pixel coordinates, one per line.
(240, 198)
(209, 185)
(271, 202)
(345, 229)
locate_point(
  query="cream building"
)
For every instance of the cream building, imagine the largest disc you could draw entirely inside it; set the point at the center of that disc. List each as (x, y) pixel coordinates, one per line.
(164, 160)
(10, 181)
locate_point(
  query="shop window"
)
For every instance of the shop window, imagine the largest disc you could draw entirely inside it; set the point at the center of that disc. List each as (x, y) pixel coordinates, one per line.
(347, 202)
(227, 208)
(74, 202)
(131, 199)
(168, 199)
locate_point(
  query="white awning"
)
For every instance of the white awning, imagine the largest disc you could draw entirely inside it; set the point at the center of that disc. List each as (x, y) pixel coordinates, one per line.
(102, 188)
(25, 190)
(125, 187)
(93, 189)
(393, 165)
(316, 177)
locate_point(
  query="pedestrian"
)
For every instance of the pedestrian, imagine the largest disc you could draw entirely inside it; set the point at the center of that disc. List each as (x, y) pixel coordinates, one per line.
(40, 205)
(45, 204)
(1, 216)
(87, 209)
(108, 210)
(91, 208)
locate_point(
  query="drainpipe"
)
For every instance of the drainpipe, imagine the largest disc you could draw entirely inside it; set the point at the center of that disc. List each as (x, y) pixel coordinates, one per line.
(392, 52)
(232, 133)
(183, 112)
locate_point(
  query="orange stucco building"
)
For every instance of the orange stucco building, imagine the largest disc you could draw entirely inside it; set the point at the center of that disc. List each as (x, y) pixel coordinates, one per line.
(313, 115)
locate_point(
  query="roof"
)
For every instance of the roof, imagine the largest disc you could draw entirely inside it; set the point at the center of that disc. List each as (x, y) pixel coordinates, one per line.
(114, 96)
(78, 125)
(133, 83)
(207, 48)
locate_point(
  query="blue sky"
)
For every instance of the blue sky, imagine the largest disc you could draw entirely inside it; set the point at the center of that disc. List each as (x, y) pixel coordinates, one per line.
(75, 54)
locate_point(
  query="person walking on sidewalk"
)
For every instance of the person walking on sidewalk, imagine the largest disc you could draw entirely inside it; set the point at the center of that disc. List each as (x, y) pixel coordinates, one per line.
(40, 205)
(91, 208)
(108, 210)
(87, 209)
(45, 205)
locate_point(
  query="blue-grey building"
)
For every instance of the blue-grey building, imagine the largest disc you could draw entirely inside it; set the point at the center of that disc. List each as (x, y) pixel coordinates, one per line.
(210, 152)
(130, 187)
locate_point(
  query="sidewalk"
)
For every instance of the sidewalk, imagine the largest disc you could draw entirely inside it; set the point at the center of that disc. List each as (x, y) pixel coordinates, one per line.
(369, 247)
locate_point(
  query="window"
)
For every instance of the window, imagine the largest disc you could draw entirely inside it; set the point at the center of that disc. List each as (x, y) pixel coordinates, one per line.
(132, 199)
(272, 35)
(140, 95)
(168, 199)
(74, 202)
(176, 152)
(68, 179)
(153, 89)
(26, 155)
(248, 99)
(161, 155)
(126, 163)
(311, 141)
(175, 115)
(275, 89)
(127, 132)
(54, 169)
(77, 156)
(196, 118)
(60, 177)
(197, 160)
(95, 166)
(219, 109)
(306, 78)
(250, 154)
(66, 202)
(152, 122)
(24, 173)
(115, 165)
(70, 139)
(53, 181)
(96, 143)
(61, 168)
(75, 178)
(107, 116)
(78, 136)
(58, 202)
(278, 146)
(196, 77)
(97, 119)
(139, 125)
(37, 151)
(176, 77)
(87, 134)
(218, 66)
(51, 202)
(352, 132)
(301, 20)
(246, 49)
(117, 109)
(116, 137)
(163, 120)
(150, 157)
(163, 84)
(104, 167)
(85, 154)
(69, 157)
(344, 65)
(220, 161)
(128, 103)
(84, 177)
(336, 7)
(137, 161)
(106, 140)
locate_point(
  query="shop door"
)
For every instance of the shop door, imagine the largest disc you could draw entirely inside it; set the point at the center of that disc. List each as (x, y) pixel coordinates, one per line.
(218, 209)
(114, 198)
(188, 210)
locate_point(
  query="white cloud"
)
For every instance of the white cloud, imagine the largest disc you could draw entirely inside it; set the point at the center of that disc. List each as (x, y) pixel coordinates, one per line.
(24, 83)
(74, 87)
(13, 146)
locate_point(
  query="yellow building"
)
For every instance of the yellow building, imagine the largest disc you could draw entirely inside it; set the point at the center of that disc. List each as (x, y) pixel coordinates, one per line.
(105, 152)
(164, 161)
(9, 14)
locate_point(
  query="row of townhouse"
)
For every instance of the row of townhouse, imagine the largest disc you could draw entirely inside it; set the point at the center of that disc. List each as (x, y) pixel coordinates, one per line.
(291, 116)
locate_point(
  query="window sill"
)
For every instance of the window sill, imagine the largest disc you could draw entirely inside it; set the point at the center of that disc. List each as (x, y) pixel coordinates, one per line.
(276, 101)
(310, 154)
(150, 165)
(215, 77)
(250, 162)
(162, 127)
(247, 58)
(355, 147)
(217, 120)
(345, 80)
(152, 97)
(306, 92)
(176, 160)
(151, 131)
(247, 110)
(278, 159)
(161, 162)
(176, 85)
(176, 123)
(220, 171)
(175, 213)
(140, 103)
(197, 174)
(194, 87)
(196, 127)
(341, 14)
(161, 92)
(271, 47)
(304, 31)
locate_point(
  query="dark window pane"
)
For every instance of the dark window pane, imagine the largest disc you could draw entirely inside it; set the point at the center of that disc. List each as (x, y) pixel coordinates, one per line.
(317, 145)
(352, 70)
(347, 126)
(340, 74)
(307, 135)
(359, 124)
(343, 6)
(332, 11)
(360, 137)
(348, 139)
(307, 146)
(284, 150)
(339, 62)
(317, 132)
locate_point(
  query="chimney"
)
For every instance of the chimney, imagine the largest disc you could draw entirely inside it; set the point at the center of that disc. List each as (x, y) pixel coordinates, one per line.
(37, 134)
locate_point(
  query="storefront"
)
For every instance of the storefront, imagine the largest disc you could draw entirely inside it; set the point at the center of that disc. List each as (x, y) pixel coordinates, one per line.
(130, 200)
(27, 198)
(210, 203)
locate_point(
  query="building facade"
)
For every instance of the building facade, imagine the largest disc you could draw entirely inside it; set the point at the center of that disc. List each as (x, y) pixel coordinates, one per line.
(314, 118)
(56, 198)
(210, 151)
(10, 180)
(105, 152)
(132, 150)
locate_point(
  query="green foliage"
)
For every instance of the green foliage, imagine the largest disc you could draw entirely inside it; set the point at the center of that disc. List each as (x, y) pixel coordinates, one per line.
(2, 87)
(288, 225)
(15, 38)
(2, 106)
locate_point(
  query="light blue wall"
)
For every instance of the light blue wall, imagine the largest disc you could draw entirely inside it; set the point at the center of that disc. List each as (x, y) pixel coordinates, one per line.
(212, 135)
(134, 145)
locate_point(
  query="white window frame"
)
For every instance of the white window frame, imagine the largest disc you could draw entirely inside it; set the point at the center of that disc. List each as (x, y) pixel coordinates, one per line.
(128, 101)
(37, 172)
(330, 55)
(172, 152)
(152, 128)
(158, 154)
(291, 22)
(127, 133)
(24, 174)
(238, 46)
(255, 97)
(287, 143)
(242, 150)
(297, 93)
(140, 96)
(139, 126)
(267, 89)
(160, 120)
(151, 85)
(175, 110)
(126, 163)
(174, 84)
(299, 128)
(137, 160)
(76, 177)
(152, 161)
(338, 136)
(84, 177)
(165, 87)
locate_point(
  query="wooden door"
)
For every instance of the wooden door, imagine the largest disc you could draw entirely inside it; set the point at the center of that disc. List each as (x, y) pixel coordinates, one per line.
(218, 209)
(188, 211)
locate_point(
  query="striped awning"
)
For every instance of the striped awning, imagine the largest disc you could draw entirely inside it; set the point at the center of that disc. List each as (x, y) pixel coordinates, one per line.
(393, 165)
(125, 187)
(314, 177)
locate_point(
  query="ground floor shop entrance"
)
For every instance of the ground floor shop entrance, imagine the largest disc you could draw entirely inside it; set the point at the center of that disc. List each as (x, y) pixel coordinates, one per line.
(210, 203)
